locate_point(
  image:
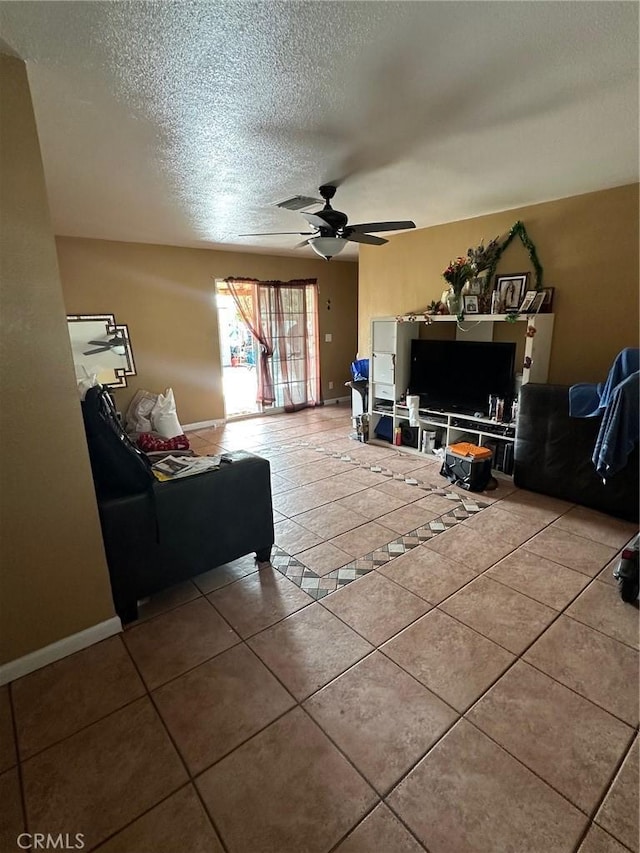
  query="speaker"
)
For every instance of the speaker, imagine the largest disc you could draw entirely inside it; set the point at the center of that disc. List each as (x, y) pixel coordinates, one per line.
(409, 435)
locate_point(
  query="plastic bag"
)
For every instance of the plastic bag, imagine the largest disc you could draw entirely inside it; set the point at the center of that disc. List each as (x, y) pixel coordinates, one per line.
(138, 416)
(86, 382)
(360, 369)
(164, 418)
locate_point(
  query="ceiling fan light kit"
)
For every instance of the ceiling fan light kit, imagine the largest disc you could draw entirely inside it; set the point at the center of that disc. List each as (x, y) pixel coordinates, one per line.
(332, 232)
(327, 247)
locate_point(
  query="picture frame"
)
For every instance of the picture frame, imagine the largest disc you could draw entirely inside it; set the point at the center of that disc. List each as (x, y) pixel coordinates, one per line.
(527, 302)
(101, 347)
(470, 304)
(536, 305)
(510, 289)
(475, 286)
(547, 302)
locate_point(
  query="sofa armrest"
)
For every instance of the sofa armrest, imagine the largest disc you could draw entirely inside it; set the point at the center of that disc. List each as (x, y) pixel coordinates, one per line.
(218, 516)
(183, 527)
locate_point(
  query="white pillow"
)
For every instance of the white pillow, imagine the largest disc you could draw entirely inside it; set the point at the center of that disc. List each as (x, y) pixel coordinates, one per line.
(164, 419)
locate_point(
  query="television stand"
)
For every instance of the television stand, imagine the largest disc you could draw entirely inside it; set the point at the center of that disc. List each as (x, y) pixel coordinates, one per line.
(452, 427)
(390, 369)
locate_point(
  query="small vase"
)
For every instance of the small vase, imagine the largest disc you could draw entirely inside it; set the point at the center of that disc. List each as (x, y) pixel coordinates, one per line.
(454, 302)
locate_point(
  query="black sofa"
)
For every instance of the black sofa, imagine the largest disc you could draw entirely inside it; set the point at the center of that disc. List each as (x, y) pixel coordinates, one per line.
(553, 453)
(160, 533)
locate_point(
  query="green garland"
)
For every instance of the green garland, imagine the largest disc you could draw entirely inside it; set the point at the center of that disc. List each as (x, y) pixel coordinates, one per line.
(518, 230)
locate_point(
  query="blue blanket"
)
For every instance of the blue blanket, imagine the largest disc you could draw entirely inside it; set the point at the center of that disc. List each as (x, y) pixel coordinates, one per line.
(587, 400)
(619, 430)
(616, 400)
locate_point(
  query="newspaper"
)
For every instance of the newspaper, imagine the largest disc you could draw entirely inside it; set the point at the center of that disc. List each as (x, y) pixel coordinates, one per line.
(174, 467)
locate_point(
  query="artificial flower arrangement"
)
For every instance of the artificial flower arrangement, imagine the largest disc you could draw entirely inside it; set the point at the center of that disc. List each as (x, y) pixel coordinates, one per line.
(457, 273)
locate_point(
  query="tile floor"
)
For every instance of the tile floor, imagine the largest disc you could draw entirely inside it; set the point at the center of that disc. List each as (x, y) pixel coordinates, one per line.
(420, 668)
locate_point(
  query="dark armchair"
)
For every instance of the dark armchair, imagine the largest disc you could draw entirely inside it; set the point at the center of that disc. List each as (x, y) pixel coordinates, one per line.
(160, 533)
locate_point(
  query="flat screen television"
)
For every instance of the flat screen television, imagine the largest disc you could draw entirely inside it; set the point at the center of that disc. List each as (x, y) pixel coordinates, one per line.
(459, 376)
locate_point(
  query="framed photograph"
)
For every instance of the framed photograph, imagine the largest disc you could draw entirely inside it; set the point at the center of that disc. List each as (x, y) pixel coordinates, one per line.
(527, 302)
(471, 304)
(510, 289)
(547, 302)
(536, 305)
(475, 286)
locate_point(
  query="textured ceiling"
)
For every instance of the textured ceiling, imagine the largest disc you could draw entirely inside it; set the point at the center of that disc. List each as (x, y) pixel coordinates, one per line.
(183, 123)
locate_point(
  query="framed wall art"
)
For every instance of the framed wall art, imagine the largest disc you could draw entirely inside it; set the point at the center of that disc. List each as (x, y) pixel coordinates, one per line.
(101, 347)
(510, 289)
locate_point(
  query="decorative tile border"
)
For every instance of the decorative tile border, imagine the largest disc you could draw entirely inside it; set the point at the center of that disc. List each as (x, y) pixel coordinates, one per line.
(318, 586)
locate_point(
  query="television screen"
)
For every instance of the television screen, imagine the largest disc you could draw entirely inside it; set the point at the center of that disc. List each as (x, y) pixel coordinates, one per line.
(459, 376)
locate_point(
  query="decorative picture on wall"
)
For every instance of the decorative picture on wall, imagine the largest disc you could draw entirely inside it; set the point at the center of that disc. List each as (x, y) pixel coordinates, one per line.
(102, 347)
(471, 304)
(510, 289)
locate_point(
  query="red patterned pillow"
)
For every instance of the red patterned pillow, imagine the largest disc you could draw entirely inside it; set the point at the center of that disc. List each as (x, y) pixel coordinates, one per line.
(148, 442)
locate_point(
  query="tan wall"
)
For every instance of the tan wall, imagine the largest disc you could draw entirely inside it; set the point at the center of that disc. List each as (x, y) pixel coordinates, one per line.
(588, 246)
(165, 296)
(53, 579)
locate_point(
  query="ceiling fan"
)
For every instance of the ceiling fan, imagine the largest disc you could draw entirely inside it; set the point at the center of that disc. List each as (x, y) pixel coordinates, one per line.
(117, 343)
(332, 232)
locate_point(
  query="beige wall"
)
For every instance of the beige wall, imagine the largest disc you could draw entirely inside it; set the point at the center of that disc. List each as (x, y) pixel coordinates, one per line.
(53, 577)
(165, 296)
(588, 246)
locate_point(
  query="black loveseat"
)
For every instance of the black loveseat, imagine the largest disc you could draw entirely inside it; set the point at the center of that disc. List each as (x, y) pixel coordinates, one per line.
(160, 533)
(553, 453)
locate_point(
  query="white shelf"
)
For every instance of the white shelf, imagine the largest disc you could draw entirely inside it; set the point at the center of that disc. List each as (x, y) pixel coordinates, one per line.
(468, 318)
(390, 367)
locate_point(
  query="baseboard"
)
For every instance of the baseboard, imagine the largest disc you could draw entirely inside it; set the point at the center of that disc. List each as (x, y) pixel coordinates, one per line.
(61, 649)
(275, 410)
(217, 422)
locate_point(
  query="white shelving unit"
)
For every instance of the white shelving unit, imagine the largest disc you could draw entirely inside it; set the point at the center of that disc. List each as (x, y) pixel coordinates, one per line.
(390, 366)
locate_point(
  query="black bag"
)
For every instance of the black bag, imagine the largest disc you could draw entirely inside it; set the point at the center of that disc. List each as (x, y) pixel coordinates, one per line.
(119, 468)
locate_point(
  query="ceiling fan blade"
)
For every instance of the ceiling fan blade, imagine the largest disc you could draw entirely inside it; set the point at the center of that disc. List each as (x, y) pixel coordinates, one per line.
(315, 220)
(300, 245)
(382, 226)
(273, 233)
(96, 351)
(365, 238)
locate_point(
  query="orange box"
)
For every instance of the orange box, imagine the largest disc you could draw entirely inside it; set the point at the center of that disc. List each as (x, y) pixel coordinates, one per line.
(468, 450)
